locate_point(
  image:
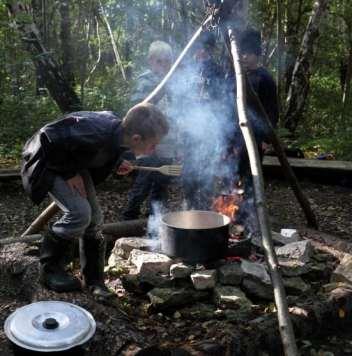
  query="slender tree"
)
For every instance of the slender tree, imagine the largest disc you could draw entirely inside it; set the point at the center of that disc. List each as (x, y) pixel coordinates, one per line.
(299, 85)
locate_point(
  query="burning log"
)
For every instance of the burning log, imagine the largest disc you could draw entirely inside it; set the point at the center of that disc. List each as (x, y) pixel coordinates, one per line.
(227, 204)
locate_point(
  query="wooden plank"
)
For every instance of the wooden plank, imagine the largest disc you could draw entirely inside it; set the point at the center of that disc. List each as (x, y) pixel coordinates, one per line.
(310, 163)
(7, 174)
(270, 163)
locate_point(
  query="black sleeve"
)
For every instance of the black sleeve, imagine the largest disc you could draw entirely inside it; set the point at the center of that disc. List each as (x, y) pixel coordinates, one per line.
(65, 141)
(268, 96)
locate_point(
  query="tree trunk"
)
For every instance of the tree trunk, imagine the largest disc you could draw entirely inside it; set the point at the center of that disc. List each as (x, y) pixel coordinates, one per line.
(279, 53)
(347, 85)
(66, 47)
(299, 86)
(58, 87)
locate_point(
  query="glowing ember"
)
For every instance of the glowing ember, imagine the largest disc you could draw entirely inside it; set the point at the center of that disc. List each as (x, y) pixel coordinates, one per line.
(227, 204)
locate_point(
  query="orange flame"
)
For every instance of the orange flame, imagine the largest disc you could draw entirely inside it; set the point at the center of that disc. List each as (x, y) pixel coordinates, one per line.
(227, 204)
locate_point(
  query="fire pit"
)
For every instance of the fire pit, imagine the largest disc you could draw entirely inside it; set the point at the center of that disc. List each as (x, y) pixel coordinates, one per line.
(195, 236)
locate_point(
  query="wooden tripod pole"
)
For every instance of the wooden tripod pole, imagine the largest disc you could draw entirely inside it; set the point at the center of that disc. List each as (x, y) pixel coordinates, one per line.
(285, 325)
(38, 224)
(287, 169)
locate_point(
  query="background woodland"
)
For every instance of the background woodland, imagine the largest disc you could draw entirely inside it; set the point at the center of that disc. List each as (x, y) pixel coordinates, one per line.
(60, 56)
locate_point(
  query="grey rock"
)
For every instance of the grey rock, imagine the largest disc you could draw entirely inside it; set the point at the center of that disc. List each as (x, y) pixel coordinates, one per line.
(296, 286)
(278, 239)
(165, 298)
(199, 311)
(231, 297)
(258, 289)
(256, 271)
(301, 250)
(230, 274)
(343, 272)
(293, 268)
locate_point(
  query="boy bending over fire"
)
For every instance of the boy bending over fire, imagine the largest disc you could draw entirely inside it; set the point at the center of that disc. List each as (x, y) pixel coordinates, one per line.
(66, 159)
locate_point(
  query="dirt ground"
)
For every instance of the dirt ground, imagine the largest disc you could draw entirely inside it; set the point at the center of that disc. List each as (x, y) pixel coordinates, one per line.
(332, 205)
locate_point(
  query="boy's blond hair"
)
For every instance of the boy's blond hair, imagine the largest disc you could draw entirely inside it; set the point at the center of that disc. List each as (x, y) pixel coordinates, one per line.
(160, 49)
(145, 120)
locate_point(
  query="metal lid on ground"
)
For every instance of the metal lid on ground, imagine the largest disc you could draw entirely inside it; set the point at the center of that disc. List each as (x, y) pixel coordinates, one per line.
(50, 326)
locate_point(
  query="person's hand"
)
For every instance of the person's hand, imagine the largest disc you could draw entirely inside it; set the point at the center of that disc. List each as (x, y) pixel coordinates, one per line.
(124, 168)
(266, 147)
(77, 183)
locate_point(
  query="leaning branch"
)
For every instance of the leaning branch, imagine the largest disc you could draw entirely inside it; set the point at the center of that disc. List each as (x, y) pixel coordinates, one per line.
(285, 325)
(287, 169)
(112, 232)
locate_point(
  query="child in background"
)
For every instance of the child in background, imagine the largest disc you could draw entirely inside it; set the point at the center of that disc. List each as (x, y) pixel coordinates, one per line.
(152, 184)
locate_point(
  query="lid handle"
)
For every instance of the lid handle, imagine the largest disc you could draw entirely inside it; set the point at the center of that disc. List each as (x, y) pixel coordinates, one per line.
(50, 323)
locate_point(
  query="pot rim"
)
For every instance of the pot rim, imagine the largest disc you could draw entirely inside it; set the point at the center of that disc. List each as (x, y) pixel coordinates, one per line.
(200, 212)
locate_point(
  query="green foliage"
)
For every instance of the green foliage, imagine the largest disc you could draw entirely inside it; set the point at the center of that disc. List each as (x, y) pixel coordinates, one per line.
(135, 24)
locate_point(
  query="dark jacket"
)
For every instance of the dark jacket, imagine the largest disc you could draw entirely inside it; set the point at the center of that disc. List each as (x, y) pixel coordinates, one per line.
(79, 141)
(264, 85)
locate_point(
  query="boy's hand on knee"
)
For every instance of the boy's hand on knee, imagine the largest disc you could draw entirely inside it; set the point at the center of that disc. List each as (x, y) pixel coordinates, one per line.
(124, 168)
(77, 183)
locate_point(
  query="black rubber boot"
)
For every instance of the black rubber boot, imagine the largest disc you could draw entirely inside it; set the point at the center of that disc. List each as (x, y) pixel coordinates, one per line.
(55, 253)
(92, 259)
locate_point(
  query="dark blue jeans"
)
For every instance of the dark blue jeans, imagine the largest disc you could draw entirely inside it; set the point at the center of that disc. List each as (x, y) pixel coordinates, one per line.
(147, 184)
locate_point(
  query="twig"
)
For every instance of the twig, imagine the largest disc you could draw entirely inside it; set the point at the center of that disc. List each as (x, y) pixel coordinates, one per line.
(113, 43)
(285, 325)
(99, 53)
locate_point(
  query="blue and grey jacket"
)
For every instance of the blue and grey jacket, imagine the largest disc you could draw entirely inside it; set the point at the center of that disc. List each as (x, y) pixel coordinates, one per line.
(79, 141)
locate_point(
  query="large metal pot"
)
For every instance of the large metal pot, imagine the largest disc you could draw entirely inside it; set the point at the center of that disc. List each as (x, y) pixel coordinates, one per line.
(49, 328)
(195, 236)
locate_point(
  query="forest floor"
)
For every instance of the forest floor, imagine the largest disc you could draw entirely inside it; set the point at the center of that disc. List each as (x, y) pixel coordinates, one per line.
(332, 205)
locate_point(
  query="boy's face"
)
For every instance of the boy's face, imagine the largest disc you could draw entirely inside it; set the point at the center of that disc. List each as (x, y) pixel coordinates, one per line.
(249, 61)
(160, 65)
(202, 54)
(140, 146)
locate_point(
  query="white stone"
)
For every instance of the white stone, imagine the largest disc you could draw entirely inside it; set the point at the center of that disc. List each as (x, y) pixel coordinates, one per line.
(280, 239)
(290, 233)
(180, 270)
(150, 262)
(125, 245)
(204, 279)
